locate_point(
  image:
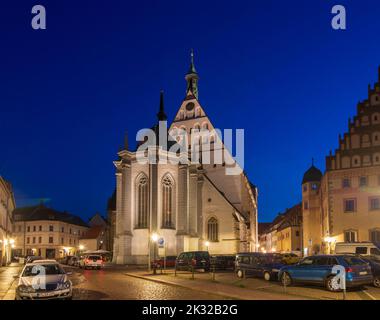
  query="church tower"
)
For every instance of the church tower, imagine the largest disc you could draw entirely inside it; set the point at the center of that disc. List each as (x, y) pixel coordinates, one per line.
(311, 211)
(192, 78)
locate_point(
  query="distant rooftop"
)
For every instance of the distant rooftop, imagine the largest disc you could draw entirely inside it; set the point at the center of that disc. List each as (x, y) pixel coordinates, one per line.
(41, 212)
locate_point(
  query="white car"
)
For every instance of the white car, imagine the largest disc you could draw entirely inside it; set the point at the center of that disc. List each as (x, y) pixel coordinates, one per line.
(91, 261)
(43, 280)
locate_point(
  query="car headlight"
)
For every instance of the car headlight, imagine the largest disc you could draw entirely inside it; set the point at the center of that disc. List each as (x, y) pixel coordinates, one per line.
(26, 289)
(67, 285)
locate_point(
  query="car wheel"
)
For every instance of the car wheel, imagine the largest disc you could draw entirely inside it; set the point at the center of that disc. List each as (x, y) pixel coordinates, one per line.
(286, 280)
(267, 276)
(329, 284)
(240, 273)
(376, 282)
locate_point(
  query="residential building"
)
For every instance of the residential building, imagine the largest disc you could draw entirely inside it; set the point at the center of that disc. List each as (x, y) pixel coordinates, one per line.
(96, 237)
(284, 234)
(43, 231)
(7, 205)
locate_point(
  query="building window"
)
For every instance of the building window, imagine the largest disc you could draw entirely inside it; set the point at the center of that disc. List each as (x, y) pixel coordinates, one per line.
(28, 229)
(34, 239)
(349, 205)
(374, 203)
(142, 202)
(314, 186)
(167, 202)
(212, 229)
(50, 239)
(374, 235)
(62, 241)
(304, 187)
(70, 241)
(27, 240)
(63, 229)
(346, 183)
(350, 236)
(39, 239)
(34, 228)
(51, 228)
(363, 181)
(40, 228)
(306, 205)
(297, 233)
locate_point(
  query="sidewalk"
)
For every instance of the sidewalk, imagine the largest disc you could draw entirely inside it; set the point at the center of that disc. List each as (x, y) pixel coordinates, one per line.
(7, 281)
(227, 286)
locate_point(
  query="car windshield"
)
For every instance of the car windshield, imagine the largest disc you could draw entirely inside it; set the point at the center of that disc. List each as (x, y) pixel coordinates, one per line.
(94, 257)
(43, 269)
(273, 259)
(354, 261)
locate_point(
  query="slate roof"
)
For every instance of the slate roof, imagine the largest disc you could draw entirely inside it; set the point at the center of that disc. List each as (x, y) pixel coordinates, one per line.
(41, 212)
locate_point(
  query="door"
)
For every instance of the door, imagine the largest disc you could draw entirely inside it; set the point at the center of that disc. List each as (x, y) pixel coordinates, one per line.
(320, 268)
(302, 271)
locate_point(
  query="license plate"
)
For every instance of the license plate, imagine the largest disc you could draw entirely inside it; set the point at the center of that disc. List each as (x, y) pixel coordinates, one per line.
(362, 273)
(46, 294)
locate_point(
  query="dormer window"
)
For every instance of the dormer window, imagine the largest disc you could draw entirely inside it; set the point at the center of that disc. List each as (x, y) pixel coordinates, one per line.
(314, 186)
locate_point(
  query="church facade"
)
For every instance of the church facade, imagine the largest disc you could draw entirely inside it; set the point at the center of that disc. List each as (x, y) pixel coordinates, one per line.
(343, 204)
(191, 206)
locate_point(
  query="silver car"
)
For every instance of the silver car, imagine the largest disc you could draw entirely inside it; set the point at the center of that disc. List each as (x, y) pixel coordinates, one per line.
(43, 280)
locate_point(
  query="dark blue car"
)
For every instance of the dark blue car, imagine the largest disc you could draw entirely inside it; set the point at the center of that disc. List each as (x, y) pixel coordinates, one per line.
(318, 270)
(374, 263)
(262, 265)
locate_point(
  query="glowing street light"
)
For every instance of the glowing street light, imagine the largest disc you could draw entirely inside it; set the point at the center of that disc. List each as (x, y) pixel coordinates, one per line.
(154, 237)
(207, 244)
(81, 247)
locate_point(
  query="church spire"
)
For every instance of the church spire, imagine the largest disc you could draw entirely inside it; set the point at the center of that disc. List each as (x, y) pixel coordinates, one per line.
(192, 77)
(161, 115)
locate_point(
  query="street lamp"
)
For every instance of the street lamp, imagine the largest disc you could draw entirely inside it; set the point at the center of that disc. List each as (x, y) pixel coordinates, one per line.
(154, 237)
(81, 247)
(207, 244)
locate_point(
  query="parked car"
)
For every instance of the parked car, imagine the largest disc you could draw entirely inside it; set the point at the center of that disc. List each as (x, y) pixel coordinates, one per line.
(54, 285)
(318, 270)
(193, 260)
(375, 268)
(290, 258)
(91, 261)
(362, 248)
(263, 265)
(223, 262)
(65, 260)
(168, 262)
(30, 259)
(73, 261)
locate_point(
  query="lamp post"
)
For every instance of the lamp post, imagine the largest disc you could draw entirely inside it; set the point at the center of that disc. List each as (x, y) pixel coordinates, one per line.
(154, 238)
(207, 244)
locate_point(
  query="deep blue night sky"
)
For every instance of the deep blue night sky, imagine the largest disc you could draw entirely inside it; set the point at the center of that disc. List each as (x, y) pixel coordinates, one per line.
(274, 68)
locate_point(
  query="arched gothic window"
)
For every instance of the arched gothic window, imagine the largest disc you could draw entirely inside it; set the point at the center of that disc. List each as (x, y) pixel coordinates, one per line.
(142, 202)
(167, 202)
(212, 229)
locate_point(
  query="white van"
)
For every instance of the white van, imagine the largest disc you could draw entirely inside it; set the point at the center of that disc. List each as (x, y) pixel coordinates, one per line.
(362, 248)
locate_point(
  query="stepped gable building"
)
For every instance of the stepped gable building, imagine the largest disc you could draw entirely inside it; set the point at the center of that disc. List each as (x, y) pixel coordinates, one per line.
(343, 204)
(192, 206)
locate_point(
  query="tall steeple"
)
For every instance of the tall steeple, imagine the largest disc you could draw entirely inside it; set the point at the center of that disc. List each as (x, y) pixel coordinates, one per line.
(192, 78)
(161, 115)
